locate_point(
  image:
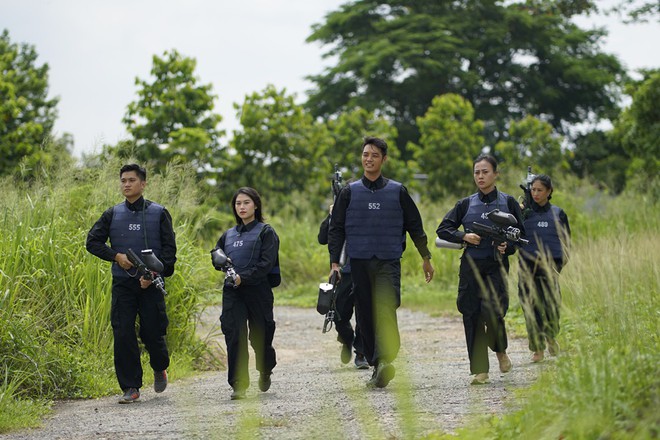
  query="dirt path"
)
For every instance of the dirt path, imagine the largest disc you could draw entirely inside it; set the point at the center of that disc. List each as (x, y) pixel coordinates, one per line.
(313, 394)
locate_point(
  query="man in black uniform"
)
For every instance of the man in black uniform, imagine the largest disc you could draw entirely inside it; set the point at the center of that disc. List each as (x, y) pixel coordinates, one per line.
(345, 302)
(138, 224)
(373, 215)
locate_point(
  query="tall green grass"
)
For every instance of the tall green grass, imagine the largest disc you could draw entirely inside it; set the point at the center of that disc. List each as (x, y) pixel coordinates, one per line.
(56, 340)
(605, 383)
(55, 333)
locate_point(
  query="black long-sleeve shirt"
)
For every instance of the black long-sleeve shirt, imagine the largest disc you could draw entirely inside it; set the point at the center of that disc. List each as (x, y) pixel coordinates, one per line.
(323, 230)
(412, 220)
(270, 245)
(448, 228)
(100, 232)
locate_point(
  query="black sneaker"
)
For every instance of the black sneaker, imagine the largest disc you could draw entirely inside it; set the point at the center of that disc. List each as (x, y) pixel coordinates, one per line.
(371, 383)
(383, 374)
(238, 394)
(160, 381)
(361, 362)
(346, 353)
(130, 395)
(264, 381)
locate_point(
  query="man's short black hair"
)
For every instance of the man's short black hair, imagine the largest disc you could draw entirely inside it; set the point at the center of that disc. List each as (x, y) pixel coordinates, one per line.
(141, 172)
(376, 142)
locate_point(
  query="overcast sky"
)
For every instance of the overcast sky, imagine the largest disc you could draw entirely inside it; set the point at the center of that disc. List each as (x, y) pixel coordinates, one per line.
(95, 49)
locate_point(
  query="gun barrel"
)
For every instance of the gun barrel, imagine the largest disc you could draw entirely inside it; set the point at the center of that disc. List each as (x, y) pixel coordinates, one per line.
(440, 243)
(342, 256)
(160, 284)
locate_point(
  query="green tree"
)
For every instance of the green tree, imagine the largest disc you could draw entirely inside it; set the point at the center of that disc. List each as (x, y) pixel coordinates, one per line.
(349, 130)
(173, 117)
(26, 114)
(638, 129)
(509, 59)
(280, 150)
(600, 159)
(450, 140)
(532, 142)
(638, 11)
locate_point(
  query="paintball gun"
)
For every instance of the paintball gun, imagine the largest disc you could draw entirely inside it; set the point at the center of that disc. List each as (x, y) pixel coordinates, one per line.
(526, 186)
(336, 189)
(326, 304)
(503, 230)
(222, 262)
(327, 300)
(336, 182)
(149, 266)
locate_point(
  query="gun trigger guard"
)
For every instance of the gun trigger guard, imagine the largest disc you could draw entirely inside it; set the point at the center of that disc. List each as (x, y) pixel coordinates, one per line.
(136, 273)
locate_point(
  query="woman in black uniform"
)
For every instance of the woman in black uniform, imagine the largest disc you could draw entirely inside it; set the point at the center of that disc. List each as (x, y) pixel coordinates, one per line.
(540, 263)
(483, 299)
(247, 303)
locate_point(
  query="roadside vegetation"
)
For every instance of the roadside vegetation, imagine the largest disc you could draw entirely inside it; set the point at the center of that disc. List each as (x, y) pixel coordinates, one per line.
(56, 340)
(522, 100)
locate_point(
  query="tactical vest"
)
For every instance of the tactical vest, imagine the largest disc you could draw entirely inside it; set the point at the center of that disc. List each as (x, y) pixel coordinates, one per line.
(128, 229)
(476, 212)
(541, 229)
(244, 249)
(374, 222)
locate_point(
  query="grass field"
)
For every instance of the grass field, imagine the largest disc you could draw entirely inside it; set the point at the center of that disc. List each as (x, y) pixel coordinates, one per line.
(56, 341)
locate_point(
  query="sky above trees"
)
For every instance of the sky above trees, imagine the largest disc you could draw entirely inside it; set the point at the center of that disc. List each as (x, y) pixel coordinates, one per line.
(96, 50)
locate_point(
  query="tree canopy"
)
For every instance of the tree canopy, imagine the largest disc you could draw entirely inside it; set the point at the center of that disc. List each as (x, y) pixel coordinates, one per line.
(638, 130)
(280, 149)
(173, 117)
(508, 59)
(27, 115)
(638, 10)
(349, 130)
(531, 141)
(451, 138)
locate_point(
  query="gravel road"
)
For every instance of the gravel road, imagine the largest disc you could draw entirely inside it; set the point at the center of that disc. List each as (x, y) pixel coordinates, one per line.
(313, 393)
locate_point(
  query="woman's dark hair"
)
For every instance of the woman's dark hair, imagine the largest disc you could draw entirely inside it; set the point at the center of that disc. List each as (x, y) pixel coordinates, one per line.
(488, 158)
(256, 198)
(545, 181)
(141, 172)
(376, 142)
